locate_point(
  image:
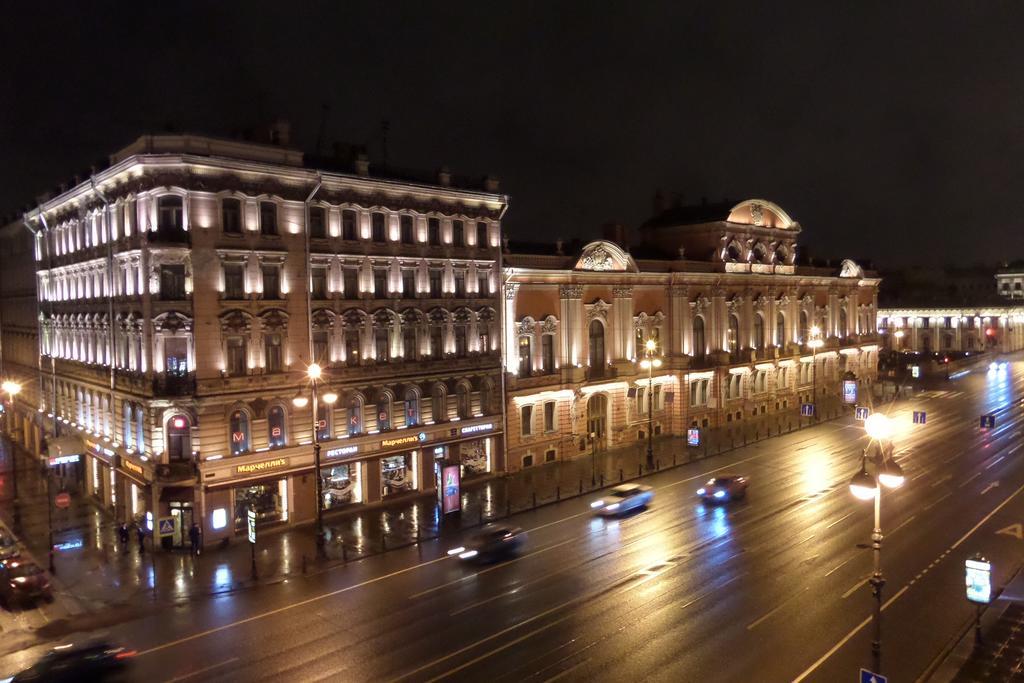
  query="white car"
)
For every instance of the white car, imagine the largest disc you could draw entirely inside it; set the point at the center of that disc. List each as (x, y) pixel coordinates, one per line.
(622, 499)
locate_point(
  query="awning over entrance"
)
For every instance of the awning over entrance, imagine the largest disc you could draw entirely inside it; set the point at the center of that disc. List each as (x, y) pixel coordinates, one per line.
(180, 494)
(65, 446)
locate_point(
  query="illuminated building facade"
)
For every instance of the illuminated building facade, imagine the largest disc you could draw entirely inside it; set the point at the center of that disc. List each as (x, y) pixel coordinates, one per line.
(952, 329)
(718, 290)
(185, 289)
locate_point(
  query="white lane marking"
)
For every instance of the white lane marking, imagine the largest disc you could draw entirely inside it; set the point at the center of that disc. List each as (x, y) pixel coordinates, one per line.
(854, 587)
(970, 479)
(839, 566)
(185, 677)
(848, 514)
(987, 517)
(1014, 449)
(995, 462)
(752, 625)
(929, 506)
(941, 481)
(989, 487)
(905, 522)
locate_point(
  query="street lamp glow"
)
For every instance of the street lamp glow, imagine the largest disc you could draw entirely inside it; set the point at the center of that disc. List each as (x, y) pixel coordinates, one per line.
(891, 475)
(863, 486)
(651, 345)
(898, 334)
(10, 387)
(878, 426)
(313, 371)
(330, 398)
(300, 401)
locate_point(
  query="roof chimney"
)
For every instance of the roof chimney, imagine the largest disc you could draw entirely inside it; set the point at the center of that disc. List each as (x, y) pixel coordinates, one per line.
(616, 232)
(362, 164)
(280, 133)
(444, 177)
(490, 184)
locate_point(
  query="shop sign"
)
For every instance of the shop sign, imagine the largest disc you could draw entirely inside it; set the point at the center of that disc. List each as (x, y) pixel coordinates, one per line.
(979, 580)
(850, 391)
(256, 467)
(250, 518)
(402, 440)
(339, 452)
(450, 501)
(693, 436)
(63, 460)
(131, 466)
(472, 429)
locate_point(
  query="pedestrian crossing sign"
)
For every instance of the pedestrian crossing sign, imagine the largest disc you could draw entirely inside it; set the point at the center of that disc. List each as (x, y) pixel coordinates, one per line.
(166, 526)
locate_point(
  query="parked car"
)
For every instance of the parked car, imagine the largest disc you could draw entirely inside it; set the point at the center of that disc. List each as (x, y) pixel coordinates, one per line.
(491, 543)
(8, 546)
(23, 582)
(93, 662)
(724, 488)
(622, 499)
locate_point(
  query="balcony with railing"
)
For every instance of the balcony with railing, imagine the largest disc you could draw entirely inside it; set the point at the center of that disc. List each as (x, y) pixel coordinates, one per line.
(174, 385)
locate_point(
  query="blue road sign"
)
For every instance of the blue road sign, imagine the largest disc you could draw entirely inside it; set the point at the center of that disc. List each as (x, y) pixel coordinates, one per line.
(807, 409)
(920, 417)
(861, 412)
(871, 677)
(166, 526)
(988, 421)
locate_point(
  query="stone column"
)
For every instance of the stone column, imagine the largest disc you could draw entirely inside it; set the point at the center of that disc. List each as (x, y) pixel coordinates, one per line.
(622, 337)
(679, 327)
(511, 348)
(716, 335)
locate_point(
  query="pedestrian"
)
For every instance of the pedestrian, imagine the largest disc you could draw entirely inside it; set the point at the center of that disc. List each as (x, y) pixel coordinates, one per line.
(141, 533)
(122, 535)
(193, 537)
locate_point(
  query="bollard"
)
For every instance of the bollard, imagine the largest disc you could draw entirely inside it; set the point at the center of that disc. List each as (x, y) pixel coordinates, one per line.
(303, 563)
(620, 475)
(344, 553)
(383, 542)
(558, 493)
(581, 487)
(508, 507)
(534, 499)
(673, 458)
(639, 470)
(481, 516)
(602, 480)
(657, 465)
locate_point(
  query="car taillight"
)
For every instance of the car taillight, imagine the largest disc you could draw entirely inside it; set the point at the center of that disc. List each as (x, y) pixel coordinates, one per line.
(125, 654)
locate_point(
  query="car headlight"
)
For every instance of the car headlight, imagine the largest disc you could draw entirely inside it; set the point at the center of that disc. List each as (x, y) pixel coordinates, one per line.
(597, 504)
(719, 494)
(468, 555)
(701, 492)
(456, 551)
(19, 579)
(613, 506)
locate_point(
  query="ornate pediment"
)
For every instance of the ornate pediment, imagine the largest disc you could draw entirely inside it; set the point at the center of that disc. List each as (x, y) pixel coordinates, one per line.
(849, 268)
(599, 309)
(604, 256)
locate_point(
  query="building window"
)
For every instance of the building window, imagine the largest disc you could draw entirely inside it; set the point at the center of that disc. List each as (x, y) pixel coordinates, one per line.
(170, 215)
(172, 282)
(323, 422)
(271, 282)
(462, 401)
(525, 356)
(550, 455)
(699, 344)
(483, 284)
(435, 283)
(547, 352)
(351, 347)
(355, 416)
(409, 343)
(348, 225)
(733, 333)
(436, 341)
(405, 225)
(380, 283)
(231, 216)
(268, 218)
(239, 432)
(236, 361)
(461, 347)
(597, 356)
(481, 234)
(317, 223)
(526, 419)
(350, 283)
(758, 331)
(179, 447)
(377, 223)
(318, 283)
(275, 427)
(434, 231)
(321, 347)
(380, 345)
(409, 282)
(412, 409)
(699, 392)
(384, 413)
(460, 283)
(761, 382)
(780, 329)
(234, 281)
(439, 409)
(527, 461)
(458, 233)
(549, 416)
(734, 386)
(272, 347)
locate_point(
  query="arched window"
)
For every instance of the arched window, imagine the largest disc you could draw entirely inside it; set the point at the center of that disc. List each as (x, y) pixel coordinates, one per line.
(462, 401)
(409, 350)
(412, 408)
(239, 432)
(597, 356)
(732, 253)
(525, 355)
(355, 416)
(780, 329)
(485, 397)
(170, 216)
(276, 427)
(733, 333)
(804, 330)
(380, 345)
(179, 445)
(842, 323)
(699, 344)
(461, 347)
(324, 428)
(384, 412)
(439, 404)
(758, 331)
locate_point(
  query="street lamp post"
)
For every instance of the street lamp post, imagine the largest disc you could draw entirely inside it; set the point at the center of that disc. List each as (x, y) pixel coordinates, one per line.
(593, 458)
(815, 342)
(12, 389)
(866, 486)
(314, 372)
(649, 363)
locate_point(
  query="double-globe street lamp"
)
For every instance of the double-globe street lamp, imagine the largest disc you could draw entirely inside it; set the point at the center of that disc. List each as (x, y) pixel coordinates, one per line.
(650, 362)
(866, 486)
(12, 389)
(314, 372)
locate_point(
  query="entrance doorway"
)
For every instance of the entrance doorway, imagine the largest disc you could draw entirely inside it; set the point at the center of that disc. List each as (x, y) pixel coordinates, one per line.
(181, 513)
(597, 419)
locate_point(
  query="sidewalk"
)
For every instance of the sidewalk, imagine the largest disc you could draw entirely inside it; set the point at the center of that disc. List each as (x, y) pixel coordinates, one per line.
(98, 573)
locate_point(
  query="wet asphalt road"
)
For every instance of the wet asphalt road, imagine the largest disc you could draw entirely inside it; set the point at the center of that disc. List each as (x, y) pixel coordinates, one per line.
(770, 589)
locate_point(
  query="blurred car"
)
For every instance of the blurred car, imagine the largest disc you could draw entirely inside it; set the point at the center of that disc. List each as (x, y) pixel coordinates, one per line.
(23, 582)
(491, 543)
(8, 546)
(624, 498)
(92, 662)
(724, 488)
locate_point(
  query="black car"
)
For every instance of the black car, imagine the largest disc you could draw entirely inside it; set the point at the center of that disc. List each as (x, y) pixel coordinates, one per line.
(92, 662)
(493, 542)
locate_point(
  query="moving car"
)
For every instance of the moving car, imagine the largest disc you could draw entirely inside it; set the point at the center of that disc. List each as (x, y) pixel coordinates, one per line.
(491, 543)
(724, 488)
(8, 546)
(624, 498)
(92, 662)
(23, 582)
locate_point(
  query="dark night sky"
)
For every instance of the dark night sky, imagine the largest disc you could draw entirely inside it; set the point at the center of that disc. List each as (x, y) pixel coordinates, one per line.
(891, 131)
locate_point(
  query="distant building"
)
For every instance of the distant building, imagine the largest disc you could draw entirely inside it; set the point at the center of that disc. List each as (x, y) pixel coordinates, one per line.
(186, 288)
(1010, 282)
(717, 290)
(19, 338)
(955, 329)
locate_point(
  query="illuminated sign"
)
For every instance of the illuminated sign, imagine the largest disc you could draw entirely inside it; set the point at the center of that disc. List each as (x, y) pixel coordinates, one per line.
(250, 518)
(238, 437)
(338, 452)
(979, 579)
(477, 428)
(915, 371)
(692, 436)
(179, 423)
(63, 460)
(254, 467)
(69, 545)
(450, 500)
(275, 432)
(402, 440)
(850, 391)
(131, 467)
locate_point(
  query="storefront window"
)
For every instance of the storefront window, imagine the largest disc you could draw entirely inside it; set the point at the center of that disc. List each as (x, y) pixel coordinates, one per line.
(384, 413)
(396, 474)
(473, 457)
(265, 499)
(239, 432)
(323, 422)
(341, 485)
(355, 417)
(275, 427)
